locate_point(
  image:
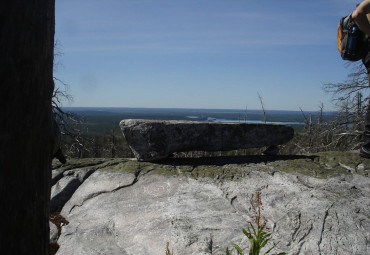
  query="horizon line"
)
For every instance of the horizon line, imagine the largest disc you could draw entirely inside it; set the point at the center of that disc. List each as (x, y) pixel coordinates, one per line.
(186, 108)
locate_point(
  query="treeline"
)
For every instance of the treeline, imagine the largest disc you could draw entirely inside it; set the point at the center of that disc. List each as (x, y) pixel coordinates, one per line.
(115, 146)
(106, 145)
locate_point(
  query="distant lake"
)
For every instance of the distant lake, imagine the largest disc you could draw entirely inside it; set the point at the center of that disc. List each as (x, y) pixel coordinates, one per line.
(258, 121)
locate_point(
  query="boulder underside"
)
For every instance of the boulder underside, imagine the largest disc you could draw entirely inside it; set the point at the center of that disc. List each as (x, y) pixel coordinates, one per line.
(151, 140)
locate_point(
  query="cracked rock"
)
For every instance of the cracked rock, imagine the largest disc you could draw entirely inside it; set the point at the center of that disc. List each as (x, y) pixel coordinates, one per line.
(123, 211)
(98, 183)
(62, 191)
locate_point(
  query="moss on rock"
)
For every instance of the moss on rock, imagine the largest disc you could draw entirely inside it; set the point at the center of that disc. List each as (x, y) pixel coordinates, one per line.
(319, 165)
(327, 164)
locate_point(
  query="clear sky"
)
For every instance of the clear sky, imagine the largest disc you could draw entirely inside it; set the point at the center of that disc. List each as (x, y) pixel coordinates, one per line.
(200, 53)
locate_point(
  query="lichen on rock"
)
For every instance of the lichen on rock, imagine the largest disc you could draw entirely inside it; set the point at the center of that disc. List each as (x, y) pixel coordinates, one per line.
(314, 204)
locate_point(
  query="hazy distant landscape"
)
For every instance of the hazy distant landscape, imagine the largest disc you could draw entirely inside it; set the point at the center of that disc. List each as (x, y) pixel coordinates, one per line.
(102, 119)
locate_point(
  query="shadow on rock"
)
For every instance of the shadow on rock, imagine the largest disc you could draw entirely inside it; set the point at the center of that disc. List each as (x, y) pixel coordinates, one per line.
(226, 160)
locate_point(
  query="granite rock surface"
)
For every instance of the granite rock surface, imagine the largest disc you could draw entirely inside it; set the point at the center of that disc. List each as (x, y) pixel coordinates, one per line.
(315, 204)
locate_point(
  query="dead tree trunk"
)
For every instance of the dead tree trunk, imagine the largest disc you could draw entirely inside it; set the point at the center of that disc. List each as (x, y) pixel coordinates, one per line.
(113, 148)
(26, 86)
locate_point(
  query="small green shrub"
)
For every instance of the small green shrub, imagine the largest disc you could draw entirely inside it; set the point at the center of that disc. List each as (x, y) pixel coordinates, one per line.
(258, 235)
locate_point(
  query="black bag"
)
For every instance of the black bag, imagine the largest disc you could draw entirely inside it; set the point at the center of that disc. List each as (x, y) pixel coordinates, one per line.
(351, 40)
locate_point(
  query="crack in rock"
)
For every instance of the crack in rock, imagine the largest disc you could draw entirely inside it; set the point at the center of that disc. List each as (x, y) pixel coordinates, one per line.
(93, 195)
(295, 232)
(323, 227)
(232, 202)
(200, 214)
(64, 189)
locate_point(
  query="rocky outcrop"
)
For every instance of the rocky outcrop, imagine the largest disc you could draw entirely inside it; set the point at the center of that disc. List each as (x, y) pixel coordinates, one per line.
(62, 191)
(151, 140)
(316, 204)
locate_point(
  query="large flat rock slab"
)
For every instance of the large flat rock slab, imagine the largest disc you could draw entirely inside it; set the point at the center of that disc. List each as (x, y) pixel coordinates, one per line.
(317, 205)
(151, 140)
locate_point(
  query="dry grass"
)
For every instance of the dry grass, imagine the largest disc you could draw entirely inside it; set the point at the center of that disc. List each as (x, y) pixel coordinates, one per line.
(59, 221)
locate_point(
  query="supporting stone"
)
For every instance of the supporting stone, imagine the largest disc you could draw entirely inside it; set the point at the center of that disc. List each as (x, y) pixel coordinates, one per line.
(151, 140)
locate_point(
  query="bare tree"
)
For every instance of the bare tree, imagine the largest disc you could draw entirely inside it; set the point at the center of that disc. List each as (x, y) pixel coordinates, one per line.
(113, 142)
(351, 102)
(357, 81)
(26, 78)
(344, 132)
(263, 108)
(70, 124)
(348, 95)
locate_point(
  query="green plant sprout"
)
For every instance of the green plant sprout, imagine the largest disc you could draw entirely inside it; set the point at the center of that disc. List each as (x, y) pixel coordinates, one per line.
(257, 235)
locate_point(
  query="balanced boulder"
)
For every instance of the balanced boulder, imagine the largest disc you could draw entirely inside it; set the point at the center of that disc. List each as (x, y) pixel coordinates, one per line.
(151, 140)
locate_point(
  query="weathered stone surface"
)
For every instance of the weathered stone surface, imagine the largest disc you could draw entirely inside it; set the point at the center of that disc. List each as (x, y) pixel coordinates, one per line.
(315, 205)
(56, 175)
(53, 232)
(62, 191)
(151, 140)
(103, 182)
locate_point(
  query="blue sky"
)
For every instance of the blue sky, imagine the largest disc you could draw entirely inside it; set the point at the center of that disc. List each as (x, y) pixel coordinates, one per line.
(200, 53)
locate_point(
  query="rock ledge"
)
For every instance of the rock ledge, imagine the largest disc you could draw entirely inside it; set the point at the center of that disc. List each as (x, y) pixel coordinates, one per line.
(315, 204)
